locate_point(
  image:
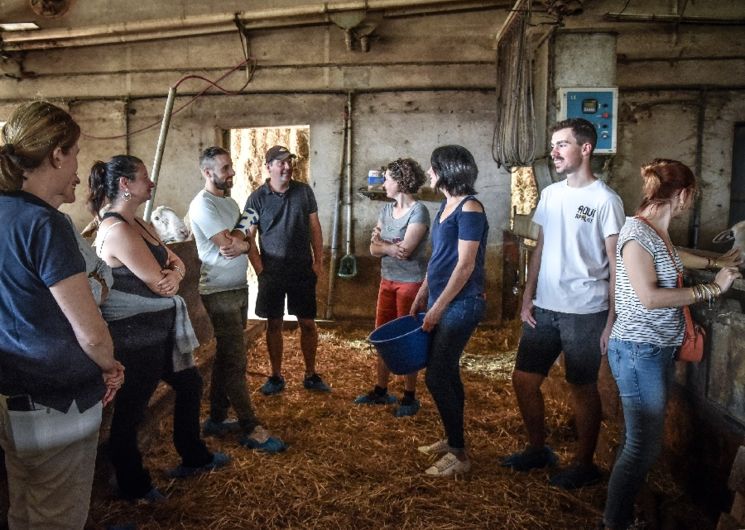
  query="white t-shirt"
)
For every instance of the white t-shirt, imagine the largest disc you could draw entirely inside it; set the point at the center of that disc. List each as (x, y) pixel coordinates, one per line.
(574, 265)
(209, 216)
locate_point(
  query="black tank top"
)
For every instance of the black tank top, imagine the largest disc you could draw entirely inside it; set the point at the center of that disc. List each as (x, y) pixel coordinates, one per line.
(124, 279)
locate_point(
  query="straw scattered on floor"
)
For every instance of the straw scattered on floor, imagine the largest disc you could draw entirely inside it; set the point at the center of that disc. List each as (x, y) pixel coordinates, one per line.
(352, 466)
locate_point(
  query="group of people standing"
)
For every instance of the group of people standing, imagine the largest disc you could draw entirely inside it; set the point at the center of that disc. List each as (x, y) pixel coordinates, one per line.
(79, 329)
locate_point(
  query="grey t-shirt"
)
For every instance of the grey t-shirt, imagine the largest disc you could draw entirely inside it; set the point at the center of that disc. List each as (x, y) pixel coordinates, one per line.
(393, 230)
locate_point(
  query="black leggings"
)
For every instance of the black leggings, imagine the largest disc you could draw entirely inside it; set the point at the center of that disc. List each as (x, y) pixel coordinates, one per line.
(143, 369)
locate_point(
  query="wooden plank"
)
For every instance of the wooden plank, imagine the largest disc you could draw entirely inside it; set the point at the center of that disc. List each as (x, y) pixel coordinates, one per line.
(727, 522)
(736, 480)
(738, 508)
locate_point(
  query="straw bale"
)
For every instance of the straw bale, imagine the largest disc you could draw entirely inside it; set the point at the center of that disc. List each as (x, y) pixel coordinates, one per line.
(352, 466)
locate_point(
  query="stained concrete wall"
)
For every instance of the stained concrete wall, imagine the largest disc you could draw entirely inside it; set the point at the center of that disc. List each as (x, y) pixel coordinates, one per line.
(427, 80)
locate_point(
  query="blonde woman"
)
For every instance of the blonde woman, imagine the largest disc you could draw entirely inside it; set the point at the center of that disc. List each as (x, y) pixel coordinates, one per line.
(57, 368)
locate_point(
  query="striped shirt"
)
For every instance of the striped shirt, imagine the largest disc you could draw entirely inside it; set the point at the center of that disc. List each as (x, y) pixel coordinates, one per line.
(635, 323)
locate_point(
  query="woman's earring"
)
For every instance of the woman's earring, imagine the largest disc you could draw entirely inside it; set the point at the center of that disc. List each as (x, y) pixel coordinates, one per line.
(126, 195)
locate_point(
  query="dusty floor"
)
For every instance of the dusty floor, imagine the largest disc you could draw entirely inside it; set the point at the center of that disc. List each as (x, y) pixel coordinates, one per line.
(351, 466)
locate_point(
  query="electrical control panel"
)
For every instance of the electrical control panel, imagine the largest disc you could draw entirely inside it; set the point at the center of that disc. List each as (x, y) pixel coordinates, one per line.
(599, 106)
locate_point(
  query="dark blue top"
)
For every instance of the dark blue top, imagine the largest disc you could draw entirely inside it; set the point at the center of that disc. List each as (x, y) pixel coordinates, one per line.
(39, 354)
(284, 229)
(468, 226)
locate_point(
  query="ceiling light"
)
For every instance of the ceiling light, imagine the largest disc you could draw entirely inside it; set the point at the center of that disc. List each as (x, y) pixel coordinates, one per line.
(18, 26)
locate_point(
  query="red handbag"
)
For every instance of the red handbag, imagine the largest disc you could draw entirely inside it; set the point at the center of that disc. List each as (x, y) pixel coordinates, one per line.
(692, 349)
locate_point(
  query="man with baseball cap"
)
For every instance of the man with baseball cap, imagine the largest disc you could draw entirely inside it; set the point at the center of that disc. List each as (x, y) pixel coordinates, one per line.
(288, 263)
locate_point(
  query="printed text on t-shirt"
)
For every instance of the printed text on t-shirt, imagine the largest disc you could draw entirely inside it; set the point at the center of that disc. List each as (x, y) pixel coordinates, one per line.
(586, 214)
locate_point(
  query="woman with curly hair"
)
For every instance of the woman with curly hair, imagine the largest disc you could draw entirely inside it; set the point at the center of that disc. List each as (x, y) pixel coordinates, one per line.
(398, 238)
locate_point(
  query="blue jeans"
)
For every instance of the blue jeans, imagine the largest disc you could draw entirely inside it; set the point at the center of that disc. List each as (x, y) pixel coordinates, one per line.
(643, 373)
(443, 366)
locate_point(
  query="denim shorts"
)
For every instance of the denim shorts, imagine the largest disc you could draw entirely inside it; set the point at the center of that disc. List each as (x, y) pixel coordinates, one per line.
(578, 336)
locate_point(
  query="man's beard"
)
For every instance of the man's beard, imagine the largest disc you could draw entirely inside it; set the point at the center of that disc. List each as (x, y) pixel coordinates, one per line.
(222, 185)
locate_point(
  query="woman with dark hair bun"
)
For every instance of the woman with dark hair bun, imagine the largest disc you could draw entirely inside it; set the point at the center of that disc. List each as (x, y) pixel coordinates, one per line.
(150, 326)
(399, 240)
(453, 295)
(649, 326)
(57, 368)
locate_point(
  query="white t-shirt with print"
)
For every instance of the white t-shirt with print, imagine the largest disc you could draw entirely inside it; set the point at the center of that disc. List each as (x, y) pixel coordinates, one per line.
(574, 265)
(210, 215)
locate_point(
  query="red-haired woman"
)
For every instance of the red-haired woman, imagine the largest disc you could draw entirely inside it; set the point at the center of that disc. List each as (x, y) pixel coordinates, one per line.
(649, 326)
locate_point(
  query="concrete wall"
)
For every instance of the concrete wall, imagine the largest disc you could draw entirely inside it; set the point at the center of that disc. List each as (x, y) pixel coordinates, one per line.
(427, 80)
(413, 91)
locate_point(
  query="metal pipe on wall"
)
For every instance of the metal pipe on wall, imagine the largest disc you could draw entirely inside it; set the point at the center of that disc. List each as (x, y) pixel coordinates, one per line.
(348, 197)
(695, 223)
(335, 224)
(214, 23)
(155, 171)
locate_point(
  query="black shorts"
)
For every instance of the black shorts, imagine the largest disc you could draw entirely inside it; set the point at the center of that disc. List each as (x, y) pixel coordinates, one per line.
(578, 336)
(300, 291)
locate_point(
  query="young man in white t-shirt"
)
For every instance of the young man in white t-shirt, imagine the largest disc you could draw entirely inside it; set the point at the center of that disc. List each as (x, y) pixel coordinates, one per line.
(568, 301)
(223, 248)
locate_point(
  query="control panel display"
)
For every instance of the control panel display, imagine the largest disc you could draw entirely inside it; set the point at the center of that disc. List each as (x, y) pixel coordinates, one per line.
(599, 106)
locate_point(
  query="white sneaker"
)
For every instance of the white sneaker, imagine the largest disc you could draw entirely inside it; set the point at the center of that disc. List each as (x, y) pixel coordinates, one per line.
(448, 465)
(260, 434)
(438, 448)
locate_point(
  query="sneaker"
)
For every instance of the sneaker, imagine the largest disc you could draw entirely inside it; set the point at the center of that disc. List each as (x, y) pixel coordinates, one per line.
(371, 398)
(219, 428)
(274, 385)
(314, 382)
(437, 448)
(531, 459)
(262, 441)
(448, 465)
(151, 497)
(154, 496)
(181, 471)
(576, 476)
(407, 408)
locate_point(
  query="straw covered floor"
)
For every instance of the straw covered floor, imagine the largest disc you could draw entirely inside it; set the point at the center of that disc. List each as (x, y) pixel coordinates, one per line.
(353, 466)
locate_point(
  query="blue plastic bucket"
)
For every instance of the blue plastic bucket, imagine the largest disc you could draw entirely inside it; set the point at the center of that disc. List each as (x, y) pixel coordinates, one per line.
(402, 344)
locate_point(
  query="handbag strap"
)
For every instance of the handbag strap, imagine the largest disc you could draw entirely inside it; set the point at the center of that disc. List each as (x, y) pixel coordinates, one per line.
(667, 247)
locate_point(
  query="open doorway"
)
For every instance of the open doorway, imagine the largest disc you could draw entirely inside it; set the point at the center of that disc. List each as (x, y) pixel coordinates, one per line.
(247, 148)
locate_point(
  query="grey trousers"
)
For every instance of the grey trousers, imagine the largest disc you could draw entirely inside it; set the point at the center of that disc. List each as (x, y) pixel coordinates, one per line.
(50, 489)
(228, 311)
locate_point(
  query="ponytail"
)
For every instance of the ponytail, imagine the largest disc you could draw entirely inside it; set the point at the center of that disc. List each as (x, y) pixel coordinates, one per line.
(97, 188)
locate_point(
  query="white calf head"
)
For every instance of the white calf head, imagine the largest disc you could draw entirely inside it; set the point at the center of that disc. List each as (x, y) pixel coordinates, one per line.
(169, 225)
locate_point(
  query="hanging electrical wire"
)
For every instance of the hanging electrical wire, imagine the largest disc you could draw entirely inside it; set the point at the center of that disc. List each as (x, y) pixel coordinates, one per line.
(248, 61)
(513, 143)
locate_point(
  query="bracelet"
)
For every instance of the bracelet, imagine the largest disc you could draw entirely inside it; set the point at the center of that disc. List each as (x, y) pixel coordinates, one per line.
(706, 292)
(179, 270)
